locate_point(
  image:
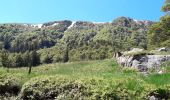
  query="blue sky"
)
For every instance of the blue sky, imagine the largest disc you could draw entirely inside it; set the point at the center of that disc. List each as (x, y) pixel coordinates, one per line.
(39, 11)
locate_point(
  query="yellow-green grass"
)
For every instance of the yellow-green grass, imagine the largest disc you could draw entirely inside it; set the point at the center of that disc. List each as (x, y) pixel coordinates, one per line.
(107, 69)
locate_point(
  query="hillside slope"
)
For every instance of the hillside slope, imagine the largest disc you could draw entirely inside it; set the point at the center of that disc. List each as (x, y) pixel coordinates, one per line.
(87, 80)
(80, 40)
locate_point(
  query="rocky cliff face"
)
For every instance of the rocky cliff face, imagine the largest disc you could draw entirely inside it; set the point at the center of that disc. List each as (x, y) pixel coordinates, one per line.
(129, 22)
(143, 62)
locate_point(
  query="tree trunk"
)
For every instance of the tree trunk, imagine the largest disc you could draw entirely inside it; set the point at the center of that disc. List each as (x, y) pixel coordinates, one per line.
(29, 71)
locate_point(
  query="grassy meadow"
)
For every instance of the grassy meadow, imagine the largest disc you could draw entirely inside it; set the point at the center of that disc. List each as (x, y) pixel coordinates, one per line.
(100, 79)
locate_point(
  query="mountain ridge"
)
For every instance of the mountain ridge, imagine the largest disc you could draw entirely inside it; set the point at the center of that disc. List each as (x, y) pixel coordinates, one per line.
(82, 40)
(58, 21)
(75, 20)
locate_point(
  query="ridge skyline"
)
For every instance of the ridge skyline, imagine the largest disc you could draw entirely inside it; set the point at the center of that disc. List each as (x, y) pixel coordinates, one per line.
(76, 21)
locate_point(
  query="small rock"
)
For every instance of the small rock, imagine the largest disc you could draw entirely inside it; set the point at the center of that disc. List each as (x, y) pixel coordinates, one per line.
(135, 63)
(142, 68)
(152, 98)
(160, 72)
(163, 49)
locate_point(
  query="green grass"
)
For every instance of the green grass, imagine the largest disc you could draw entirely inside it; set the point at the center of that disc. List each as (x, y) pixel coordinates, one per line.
(99, 68)
(158, 80)
(107, 70)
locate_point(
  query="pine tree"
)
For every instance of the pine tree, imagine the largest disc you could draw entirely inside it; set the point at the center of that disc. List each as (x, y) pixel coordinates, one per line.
(35, 58)
(48, 59)
(66, 55)
(5, 59)
(26, 58)
(19, 61)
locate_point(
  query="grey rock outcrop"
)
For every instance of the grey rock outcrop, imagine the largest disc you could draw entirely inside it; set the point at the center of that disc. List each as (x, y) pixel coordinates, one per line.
(141, 61)
(163, 49)
(153, 98)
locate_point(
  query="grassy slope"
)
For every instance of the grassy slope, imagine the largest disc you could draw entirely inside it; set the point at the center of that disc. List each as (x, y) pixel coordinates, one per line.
(107, 69)
(84, 69)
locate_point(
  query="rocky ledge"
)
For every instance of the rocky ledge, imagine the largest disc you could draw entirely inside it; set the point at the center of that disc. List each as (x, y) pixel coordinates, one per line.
(136, 58)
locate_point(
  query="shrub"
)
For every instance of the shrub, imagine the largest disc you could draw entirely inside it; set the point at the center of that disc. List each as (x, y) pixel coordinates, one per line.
(53, 87)
(57, 87)
(161, 94)
(9, 84)
(166, 66)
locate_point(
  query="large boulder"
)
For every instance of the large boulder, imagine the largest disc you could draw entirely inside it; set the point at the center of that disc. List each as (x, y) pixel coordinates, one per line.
(141, 61)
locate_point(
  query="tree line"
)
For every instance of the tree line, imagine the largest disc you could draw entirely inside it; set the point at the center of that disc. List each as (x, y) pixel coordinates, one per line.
(31, 58)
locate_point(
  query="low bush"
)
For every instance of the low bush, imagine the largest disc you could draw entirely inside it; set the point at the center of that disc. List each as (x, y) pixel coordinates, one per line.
(57, 87)
(9, 84)
(160, 94)
(166, 66)
(53, 87)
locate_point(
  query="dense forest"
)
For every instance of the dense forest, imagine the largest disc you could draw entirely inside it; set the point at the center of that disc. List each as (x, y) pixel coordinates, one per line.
(62, 41)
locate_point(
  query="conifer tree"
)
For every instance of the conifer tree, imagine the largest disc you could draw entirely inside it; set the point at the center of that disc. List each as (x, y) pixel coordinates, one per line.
(5, 59)
(34, 60)
(66, 55)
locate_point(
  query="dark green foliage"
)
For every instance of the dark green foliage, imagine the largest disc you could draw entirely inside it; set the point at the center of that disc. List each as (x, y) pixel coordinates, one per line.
(9, 84)
(26, 59)
(165, 66)
(139, 39)
(66, 54)
(47, 59)
(54, 54)
(58, 42)
(5, 58)
(35, 40)
(53, 88)
(161, 94)
(87, 80)
(35, 59)
(60, 87)
(19, 59)
(159, 33)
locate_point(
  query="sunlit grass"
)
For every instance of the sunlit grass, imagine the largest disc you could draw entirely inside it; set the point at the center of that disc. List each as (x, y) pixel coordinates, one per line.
(158, 79)
(107, 69)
